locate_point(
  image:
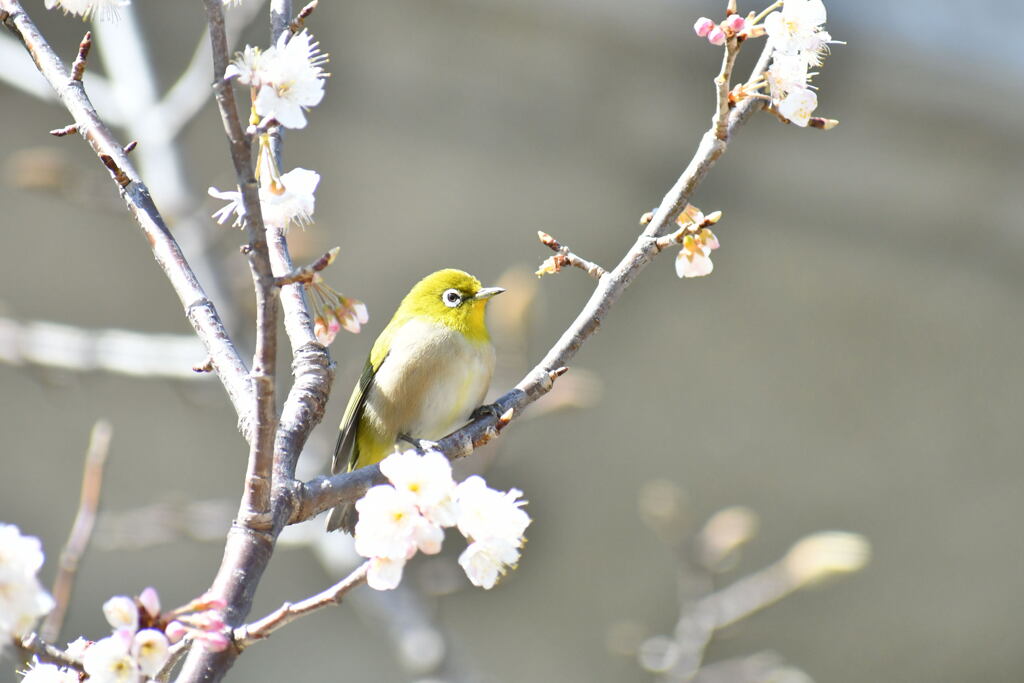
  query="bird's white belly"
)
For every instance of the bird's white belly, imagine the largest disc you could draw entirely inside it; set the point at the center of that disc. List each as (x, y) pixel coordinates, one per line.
(430, 382)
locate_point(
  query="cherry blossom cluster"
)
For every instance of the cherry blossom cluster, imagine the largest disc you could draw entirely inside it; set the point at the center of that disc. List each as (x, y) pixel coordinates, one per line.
(23, 600)
(798, 44)
(694, 258)
(139, 644)
(410, 514)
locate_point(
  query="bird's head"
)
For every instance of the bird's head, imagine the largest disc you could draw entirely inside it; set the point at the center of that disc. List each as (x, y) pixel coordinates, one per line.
(450, 297)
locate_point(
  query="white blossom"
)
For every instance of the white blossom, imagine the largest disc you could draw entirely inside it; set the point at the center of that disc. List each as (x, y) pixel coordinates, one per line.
(149, 649)
(487, 513)
(289, 75)
(290, 199)
(121, 612)
(487, 560)
(49, 673)
(387, 519)
(102, 9)
(796, 29)
(234, 205)
(428, 479)
(23, 600)
(246, 66)
(385, 573)
(798, 106)
(110, 661)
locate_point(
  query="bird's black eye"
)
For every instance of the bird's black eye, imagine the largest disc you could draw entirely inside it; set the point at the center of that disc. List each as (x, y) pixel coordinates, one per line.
(451, 298)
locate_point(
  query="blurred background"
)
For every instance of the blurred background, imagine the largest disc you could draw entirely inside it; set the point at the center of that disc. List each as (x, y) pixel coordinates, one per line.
(854, 362)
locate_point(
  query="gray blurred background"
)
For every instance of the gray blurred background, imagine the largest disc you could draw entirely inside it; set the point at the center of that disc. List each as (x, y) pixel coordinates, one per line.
(853, 362)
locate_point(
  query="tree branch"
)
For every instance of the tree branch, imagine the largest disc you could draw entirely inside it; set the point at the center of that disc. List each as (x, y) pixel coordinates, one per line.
(244, 636)
(198, 308)
(325, 492)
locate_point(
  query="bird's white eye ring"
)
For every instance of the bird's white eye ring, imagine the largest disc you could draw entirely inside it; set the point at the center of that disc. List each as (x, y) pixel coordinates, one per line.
(451, 298)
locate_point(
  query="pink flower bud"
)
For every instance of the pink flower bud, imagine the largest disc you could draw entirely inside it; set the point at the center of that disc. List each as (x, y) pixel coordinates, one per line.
(175, 631)
(735, 23)
(150, 601)
(215, 642)
(703, 26)
(716, 36)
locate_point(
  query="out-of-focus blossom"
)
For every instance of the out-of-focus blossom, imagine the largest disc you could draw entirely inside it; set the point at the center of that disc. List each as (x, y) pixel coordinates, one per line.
(48, 673)
(121, 612)
(110, 661)
(825, 554)
(150, 601)
(23, 600)
(100, 9)
(150, 649)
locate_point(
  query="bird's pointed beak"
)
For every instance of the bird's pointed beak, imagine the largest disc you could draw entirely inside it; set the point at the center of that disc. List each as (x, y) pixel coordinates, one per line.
(487, 293)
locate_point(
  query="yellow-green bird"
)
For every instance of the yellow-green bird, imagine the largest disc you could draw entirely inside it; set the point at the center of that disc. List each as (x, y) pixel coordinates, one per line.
(427, 372)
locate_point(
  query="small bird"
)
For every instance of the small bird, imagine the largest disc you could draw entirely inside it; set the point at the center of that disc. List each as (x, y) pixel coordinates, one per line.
(427, 372)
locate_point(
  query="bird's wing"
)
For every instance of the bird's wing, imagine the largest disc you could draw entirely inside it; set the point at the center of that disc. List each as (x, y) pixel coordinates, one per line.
(345, 453)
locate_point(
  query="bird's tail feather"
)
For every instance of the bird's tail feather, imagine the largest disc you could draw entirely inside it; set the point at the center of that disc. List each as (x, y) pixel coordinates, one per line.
(343, 517)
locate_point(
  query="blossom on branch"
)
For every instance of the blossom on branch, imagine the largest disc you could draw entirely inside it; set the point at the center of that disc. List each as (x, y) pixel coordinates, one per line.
(408, 515)
(286, 79)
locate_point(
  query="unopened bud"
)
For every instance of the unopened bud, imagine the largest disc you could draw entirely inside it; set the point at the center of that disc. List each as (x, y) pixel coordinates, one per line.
(703, 27)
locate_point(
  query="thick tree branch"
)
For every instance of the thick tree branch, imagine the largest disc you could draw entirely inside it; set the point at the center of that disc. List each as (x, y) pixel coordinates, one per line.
(198, 308)
(256, 498)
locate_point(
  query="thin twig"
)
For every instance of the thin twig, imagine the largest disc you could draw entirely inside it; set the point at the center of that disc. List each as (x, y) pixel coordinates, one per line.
(322, 493)
(81, 530)
(305, 273)
(244, 636)
(66, 130)
(78, 66)
(198, 308)
(564, 257)
(46, 652)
